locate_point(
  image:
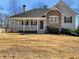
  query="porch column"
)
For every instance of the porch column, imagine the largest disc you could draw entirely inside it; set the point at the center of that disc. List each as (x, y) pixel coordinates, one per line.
(9, 23)
(37, 24)
(29, 23)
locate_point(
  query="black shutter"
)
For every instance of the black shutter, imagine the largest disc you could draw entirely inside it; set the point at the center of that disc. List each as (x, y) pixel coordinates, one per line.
(65, 19)
(71, 19)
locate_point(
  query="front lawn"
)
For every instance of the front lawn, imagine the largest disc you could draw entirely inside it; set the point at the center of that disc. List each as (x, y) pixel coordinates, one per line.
(38, 46)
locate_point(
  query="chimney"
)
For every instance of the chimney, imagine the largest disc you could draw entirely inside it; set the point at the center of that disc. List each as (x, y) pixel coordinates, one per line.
(24, 8)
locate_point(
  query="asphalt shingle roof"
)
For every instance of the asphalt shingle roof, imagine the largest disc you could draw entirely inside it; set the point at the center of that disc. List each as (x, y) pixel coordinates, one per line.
(32, 13)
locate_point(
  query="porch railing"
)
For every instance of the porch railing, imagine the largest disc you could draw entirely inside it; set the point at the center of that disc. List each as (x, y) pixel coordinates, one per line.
(23, 27)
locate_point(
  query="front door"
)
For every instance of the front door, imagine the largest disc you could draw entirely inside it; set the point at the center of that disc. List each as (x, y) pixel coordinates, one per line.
(41, 24)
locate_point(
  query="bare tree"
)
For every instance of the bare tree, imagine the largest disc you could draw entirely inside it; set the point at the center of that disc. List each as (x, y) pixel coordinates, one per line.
(40, 5)
(1, 18)
(45, 6)
(14, 7)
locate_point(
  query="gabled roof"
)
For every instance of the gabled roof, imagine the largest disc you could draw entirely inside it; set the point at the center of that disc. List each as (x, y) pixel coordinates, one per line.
(65, 4)
(32, 13)
(40, 12)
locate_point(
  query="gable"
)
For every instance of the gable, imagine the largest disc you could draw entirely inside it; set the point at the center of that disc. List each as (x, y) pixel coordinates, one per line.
(65, 9)
(54, 8)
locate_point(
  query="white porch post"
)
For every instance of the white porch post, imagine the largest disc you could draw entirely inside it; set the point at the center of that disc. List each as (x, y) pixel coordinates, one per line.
(9, 23)
(29, 23)
(44, 25)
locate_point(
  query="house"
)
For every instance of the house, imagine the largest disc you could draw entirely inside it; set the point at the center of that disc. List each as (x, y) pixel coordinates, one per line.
(37, 20)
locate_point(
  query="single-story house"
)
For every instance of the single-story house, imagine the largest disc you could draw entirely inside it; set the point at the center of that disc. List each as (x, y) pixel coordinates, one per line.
(60, 16)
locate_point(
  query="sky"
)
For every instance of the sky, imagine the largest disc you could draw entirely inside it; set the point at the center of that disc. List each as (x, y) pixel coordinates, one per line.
(32, 3)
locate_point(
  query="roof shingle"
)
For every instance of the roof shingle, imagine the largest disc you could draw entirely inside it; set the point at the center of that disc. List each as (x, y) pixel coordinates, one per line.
(32, 13)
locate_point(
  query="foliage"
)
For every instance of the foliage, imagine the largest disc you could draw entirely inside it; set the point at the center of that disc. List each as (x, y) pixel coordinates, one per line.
(65, 31)
(77, 31)
(52, 30)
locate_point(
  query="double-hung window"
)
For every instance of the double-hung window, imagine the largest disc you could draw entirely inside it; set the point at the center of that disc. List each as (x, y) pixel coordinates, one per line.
(53, 19)
(33, 22)
(67, 19)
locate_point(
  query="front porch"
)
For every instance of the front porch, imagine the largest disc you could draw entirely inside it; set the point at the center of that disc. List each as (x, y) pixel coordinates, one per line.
(27, 24)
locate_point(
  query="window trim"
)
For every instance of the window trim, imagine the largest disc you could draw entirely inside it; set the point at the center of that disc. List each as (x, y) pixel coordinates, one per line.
(53, 19)
(66, 19)
(33, 22)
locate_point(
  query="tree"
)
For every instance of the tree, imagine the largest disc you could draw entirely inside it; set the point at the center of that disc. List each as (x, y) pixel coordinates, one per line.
(45, 6)
(1, 18)
(14, 7)
(40, 5)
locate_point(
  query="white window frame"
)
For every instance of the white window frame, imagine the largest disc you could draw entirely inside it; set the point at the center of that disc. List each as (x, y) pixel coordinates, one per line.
(53, 19)
(68, 19)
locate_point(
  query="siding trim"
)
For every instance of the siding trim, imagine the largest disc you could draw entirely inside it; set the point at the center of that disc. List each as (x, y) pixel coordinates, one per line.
(54, 9)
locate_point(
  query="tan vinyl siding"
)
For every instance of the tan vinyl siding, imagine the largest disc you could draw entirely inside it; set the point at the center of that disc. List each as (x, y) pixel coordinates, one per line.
(54, 13)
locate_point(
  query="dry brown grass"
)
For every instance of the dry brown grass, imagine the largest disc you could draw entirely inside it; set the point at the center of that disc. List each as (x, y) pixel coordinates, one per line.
(36, 46)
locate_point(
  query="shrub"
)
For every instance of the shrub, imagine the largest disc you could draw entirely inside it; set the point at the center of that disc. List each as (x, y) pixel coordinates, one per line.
(77, 31)
(65, 31)
(52, 30)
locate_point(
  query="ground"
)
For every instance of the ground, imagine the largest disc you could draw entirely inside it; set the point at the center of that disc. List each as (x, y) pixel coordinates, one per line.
(38, 46)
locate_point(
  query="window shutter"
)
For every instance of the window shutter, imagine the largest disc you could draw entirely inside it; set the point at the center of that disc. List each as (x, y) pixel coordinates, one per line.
(65, 19)
(71, 19)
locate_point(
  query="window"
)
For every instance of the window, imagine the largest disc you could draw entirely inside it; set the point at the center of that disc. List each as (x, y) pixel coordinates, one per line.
(67, 19)
(33, 22)
(53, 19)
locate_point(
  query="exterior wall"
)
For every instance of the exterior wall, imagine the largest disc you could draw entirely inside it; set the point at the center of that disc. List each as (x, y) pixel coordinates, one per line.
(68, 25)
(67, 12)
(54, 13)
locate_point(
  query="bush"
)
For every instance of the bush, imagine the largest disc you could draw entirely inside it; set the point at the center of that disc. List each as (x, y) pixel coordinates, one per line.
(65, 31)
(52, 30)
(77, 31)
